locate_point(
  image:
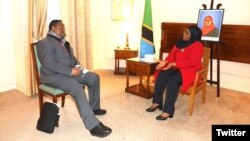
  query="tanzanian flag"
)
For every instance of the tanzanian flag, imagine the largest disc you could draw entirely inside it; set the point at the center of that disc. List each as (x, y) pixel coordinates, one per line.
(147, 41)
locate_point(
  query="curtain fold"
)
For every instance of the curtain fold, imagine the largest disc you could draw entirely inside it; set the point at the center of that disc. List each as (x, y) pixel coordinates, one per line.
(39, 18)
(73, 16)
(34, 30)
(22, 36)
(37, 28)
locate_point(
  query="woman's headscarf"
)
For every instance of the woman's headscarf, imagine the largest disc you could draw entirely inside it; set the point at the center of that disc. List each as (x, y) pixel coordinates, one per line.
(196, 34)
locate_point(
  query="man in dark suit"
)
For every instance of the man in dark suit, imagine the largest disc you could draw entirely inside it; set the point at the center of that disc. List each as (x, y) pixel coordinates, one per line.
(61, 69)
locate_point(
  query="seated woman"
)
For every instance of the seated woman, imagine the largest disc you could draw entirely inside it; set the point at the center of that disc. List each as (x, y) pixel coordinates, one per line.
(178, 69)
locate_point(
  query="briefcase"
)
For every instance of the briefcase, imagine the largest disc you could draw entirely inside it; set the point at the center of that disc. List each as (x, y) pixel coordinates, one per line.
(49, 117)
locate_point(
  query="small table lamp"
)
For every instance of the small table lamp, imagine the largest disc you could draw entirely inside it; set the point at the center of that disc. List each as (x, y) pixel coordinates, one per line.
(127, 42)
(123, 11)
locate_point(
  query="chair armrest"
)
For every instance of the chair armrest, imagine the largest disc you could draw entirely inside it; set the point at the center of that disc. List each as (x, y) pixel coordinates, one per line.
(200, 76)
(201, 71)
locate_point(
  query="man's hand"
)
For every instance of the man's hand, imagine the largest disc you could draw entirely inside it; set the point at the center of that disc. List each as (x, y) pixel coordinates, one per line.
(76, 71)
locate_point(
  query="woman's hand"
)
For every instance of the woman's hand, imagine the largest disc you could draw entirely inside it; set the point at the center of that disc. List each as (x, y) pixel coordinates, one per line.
(170, 65)
(161, 64)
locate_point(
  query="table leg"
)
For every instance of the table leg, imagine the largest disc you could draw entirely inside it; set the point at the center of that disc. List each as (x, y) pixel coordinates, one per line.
(118, 65)
(140, 80)
(127, 77)
(115, 65)
(148, 83)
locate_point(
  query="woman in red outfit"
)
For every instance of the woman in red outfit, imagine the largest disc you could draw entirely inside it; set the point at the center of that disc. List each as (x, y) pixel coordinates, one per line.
(178, 69)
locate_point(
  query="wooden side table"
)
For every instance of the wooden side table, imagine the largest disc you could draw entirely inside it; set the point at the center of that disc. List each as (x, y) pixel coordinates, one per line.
(141, 68)
(123, 54)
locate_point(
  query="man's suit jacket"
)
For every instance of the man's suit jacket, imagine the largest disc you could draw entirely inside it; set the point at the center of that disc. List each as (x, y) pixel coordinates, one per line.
(56, 61)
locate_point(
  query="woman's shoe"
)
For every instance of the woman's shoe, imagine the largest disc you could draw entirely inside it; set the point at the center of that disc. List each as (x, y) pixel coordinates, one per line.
(153, 109)
(164, 118)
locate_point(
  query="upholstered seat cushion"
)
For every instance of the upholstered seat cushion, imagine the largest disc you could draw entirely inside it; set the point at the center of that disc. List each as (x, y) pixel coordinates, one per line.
(51, 90)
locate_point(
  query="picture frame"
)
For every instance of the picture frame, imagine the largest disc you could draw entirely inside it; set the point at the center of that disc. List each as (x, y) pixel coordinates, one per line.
(122, 9)
(210, 22)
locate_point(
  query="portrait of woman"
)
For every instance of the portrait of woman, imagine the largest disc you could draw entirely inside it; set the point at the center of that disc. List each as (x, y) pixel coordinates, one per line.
(210, 22)
(209, 29)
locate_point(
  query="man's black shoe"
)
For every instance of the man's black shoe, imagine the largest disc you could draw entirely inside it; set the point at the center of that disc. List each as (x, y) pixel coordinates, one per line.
(99, 111)
(100, 130)
(105, 127)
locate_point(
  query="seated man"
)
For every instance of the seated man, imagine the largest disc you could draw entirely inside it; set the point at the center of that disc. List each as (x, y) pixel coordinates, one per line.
(60, 69)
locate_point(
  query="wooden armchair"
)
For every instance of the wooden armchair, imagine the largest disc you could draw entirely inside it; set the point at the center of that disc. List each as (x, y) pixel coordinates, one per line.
(198, 85)
(200, 81)
(42, 88)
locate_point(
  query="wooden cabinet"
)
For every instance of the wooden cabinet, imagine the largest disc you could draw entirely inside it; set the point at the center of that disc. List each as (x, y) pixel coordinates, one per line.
(121, 54)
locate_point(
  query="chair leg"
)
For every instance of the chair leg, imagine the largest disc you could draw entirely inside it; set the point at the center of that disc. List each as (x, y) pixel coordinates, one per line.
(54, 99)
(204, 90)
(191, 103)
(63, 101)
(40, 97)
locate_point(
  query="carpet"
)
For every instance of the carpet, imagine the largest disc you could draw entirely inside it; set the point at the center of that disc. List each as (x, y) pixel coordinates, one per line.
(126, 115)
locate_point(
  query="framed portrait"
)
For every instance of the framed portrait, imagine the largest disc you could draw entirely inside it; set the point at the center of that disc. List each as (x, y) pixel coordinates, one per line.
(210, 22)
(122, 9)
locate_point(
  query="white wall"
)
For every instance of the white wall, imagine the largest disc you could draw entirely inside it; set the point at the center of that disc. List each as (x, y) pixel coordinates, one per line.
(53, 10)
(7, 64)
(108, 35)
